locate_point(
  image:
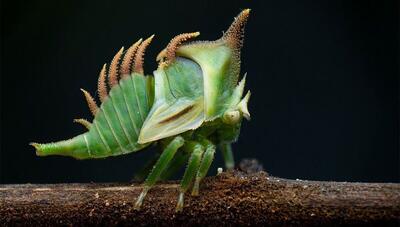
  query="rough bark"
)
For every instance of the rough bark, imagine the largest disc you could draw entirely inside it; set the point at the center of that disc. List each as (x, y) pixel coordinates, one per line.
(234, 198)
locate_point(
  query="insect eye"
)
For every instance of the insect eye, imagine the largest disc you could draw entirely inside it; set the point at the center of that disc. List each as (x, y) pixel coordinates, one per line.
(231, 117)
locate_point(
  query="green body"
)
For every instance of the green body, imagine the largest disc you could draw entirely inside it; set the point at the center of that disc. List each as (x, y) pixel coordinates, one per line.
(116, 126)
(193, 104)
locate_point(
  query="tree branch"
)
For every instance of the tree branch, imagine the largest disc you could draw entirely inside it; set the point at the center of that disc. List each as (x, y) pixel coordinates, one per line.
(233, 198)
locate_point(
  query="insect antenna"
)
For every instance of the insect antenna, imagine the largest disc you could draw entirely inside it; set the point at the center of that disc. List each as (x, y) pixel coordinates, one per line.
(138, 60)
(91, 103)
(126, 64)
(113, 70)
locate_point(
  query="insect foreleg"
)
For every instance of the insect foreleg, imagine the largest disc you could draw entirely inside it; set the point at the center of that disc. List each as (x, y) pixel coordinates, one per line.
(227, 153)
(190, 172)
(204, 167)
(165, 158)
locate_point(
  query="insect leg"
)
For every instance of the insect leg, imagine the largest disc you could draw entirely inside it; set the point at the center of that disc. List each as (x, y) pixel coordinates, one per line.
(227, 153)
(204, 167)
(190, 172)
(145, 170)
(175, 165)
(159, 167)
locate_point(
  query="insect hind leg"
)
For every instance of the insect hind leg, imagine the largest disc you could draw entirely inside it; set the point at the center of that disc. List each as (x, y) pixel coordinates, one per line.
(197, 151)
(205, 164)
(165, 158)
(143, 172)
(181, 157)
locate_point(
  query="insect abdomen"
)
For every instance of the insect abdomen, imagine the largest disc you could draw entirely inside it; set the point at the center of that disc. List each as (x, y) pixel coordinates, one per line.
(116, 126)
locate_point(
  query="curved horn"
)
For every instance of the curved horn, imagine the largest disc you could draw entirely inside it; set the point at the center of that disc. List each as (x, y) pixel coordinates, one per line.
(234, 35)
(174, 44)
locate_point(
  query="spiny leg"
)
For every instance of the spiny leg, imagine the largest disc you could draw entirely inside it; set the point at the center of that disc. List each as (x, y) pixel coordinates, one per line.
(166, 156)
(181, 157)
(227, 153)
(190, 172)
(144, 171)
(204, 167)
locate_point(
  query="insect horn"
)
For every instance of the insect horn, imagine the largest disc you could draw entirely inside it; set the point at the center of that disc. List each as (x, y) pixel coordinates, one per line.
(219, 61)
(138, 60)
(169, 53)
(128, 59)
(235, 33)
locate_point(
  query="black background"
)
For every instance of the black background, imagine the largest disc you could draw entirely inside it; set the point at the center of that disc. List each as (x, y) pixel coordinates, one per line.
(323, 74)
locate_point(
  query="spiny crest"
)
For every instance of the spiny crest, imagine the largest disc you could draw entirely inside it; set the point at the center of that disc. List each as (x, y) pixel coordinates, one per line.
(133, 60)
(128, 59)
(170, 51)
(102, 86)
(133, 57)
(83, 122)
(91, 103)
(235, 33)
(138, 60)
(113, 71)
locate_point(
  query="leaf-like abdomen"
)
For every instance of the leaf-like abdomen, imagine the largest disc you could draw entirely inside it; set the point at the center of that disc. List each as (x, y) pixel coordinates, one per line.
(136, 107)
(118, 122)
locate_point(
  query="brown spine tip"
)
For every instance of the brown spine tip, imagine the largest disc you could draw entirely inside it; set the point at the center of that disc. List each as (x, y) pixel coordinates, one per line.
(128, 59)
(161, 55)
(83, 122)
(174, 44)
(235, 33)
(102, 86)
(138, 61)
(91, 103)
(113, 70)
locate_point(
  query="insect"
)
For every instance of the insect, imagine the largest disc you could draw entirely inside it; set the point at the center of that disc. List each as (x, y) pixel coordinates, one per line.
(192, 105)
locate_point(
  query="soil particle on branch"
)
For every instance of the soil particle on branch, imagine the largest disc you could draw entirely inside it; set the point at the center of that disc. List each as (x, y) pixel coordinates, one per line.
(232, 198)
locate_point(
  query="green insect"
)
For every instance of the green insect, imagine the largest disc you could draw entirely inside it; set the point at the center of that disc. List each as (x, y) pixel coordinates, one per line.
(191, 105)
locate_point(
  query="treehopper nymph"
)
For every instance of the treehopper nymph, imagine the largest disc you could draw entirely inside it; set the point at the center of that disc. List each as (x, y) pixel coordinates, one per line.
(191, 105)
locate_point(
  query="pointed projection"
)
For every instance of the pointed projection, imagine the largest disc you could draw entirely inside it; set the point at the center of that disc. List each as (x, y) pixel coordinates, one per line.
(220, 64)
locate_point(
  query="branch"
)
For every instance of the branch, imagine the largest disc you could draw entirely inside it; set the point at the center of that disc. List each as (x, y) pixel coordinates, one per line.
(234, 198)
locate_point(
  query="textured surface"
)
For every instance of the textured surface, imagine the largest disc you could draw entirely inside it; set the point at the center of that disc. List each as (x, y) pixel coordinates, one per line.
(117, 125)
(227, 199)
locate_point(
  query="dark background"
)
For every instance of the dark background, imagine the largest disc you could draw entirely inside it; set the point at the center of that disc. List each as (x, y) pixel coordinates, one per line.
(323, 74)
